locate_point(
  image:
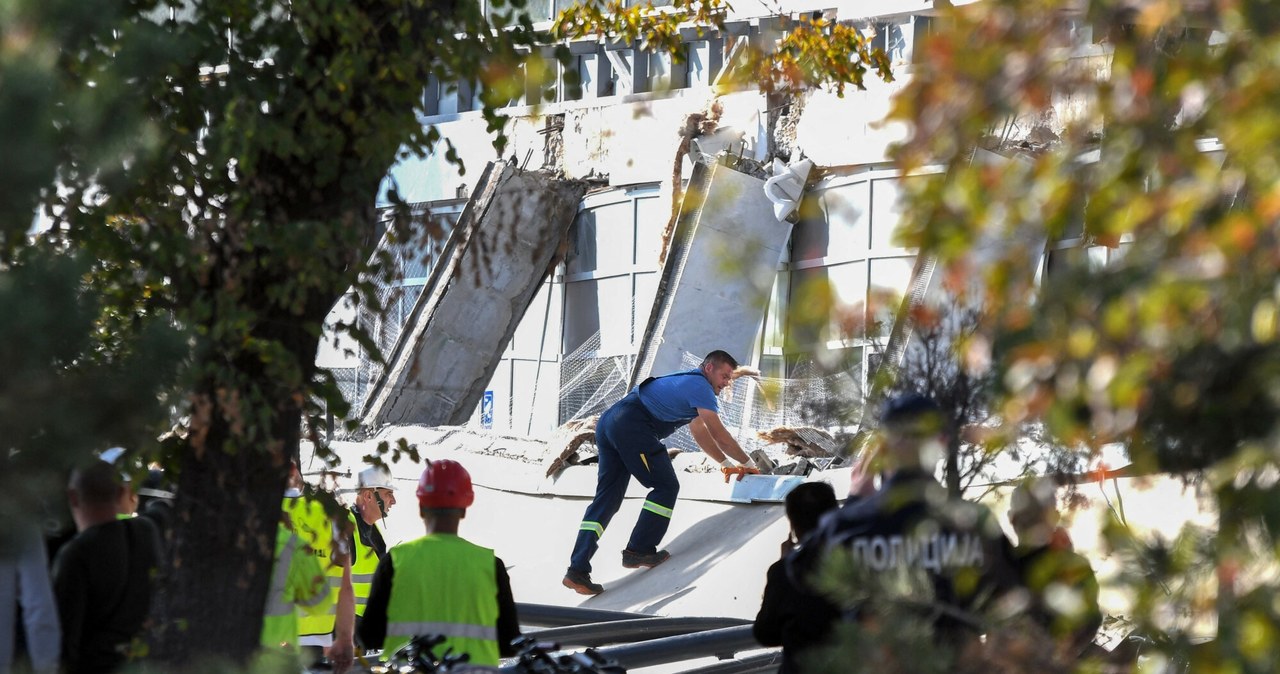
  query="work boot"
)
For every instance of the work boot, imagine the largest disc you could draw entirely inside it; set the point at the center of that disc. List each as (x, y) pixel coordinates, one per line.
(580, 582)
(635, 560)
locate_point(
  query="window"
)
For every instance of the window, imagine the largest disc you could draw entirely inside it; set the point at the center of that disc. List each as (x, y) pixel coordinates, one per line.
(611, 272)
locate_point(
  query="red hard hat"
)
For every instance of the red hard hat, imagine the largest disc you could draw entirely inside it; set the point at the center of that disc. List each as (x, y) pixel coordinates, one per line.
(445, 484)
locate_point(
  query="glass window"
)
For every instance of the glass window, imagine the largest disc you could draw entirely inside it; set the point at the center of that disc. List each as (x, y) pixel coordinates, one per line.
(603, 238)
(849, 309)
(890, 279)
(808, 308)
(848, 211)
(582, 313)
(898, 43)
(700, 69)
(810, 238)
(582, 253)
(585, 66)
(447, 100)
(593, 306)
(665, 74)
(886, 212)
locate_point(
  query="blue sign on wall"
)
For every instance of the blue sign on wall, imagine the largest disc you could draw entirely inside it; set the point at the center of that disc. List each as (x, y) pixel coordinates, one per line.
(486, 410)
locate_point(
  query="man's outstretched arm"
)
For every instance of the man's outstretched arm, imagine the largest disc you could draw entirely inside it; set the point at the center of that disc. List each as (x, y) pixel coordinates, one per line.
(716, 442)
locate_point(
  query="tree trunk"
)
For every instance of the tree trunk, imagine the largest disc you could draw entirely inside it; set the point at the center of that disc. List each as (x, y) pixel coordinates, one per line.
(230, 488)
(951, 471)
(228, 504)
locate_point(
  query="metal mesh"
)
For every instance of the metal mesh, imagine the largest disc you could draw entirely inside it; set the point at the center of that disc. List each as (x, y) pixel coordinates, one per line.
(590, 383)
(409, 265)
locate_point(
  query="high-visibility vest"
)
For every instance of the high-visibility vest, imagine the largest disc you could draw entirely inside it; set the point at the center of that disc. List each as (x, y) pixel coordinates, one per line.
(364, 562)
(315, 528)
(447, 586)
(296, 581)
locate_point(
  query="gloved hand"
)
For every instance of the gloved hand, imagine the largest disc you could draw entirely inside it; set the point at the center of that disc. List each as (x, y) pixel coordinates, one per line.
(740, 471)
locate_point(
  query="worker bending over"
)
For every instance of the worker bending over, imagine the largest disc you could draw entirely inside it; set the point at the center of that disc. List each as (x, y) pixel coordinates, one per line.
(629, 439)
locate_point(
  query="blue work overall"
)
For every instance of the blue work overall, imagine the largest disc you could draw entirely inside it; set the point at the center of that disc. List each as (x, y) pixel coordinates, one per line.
(628, 439)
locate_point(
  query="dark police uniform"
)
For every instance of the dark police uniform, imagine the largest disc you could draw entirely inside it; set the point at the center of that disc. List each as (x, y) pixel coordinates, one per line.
(957, 547)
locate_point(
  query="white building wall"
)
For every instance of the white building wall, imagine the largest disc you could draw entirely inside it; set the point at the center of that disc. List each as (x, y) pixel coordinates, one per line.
(629, 141)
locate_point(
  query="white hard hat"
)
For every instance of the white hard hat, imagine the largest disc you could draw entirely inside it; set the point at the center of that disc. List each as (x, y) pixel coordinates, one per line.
(375, 477)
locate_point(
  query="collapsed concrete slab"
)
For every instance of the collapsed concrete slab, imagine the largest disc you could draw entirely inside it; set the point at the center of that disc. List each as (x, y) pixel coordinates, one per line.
(716, 280)
(501, 250)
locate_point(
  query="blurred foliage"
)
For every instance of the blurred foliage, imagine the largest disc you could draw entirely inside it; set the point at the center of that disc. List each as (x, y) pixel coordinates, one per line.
(64, 396)
(1160, 159)
(804, 52)
(206, 173)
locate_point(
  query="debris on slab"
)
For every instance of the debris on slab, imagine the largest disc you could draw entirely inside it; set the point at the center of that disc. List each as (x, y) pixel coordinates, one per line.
(570, 436)
(801, 440)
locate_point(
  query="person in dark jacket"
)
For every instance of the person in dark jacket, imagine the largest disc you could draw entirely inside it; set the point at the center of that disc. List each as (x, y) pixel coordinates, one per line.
(946, 561)
(103, 577)
(785, 614)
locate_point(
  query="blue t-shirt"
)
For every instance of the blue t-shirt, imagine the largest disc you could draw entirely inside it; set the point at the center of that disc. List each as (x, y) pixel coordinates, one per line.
(679, 396)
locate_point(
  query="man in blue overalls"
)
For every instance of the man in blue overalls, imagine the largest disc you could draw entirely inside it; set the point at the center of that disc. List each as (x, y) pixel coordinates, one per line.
(629, 439)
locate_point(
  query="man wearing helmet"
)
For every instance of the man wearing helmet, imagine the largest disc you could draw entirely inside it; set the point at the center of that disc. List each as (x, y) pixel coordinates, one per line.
(441, 583)
(375, 495)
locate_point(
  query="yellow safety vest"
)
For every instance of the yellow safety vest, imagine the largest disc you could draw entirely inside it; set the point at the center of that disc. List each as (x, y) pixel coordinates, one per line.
(448, 586)
(296, 582)
(364, 562)
(315, 529)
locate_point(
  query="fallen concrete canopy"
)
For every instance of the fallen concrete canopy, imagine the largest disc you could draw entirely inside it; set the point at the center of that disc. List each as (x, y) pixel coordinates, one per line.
(495, 259)
(716, 280)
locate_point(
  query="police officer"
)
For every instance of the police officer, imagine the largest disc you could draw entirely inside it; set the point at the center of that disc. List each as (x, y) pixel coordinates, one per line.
(1062, 588)
(629, 439)
(955, 551)
(442, 584)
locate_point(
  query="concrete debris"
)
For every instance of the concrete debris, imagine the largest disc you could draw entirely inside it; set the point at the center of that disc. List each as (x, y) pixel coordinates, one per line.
(763, 462)
(724, 216)
(470, 440)
(801, 440)
(572, 435)
(799, 466)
